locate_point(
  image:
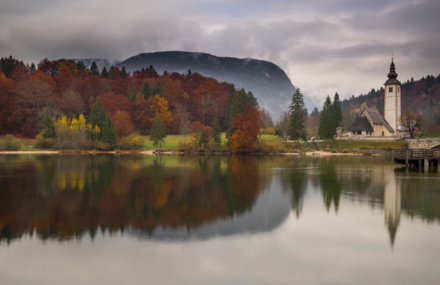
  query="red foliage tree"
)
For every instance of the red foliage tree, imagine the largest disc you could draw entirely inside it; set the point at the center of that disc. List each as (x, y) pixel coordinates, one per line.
(112, 103)
(8, 97)
(70, 104)
(142, 112)
(195, 129)
(247, 128)
(122, 123)
(32, 97)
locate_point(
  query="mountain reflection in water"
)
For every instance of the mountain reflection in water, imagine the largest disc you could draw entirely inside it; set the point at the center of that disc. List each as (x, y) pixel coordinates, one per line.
(183, 198)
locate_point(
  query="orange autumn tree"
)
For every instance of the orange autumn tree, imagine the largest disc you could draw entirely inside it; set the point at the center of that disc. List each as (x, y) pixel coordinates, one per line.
(122, 123)
(247, 128)
(159, 109)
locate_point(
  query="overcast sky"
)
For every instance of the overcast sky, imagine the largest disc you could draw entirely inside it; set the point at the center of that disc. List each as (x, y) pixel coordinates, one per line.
(324, 46)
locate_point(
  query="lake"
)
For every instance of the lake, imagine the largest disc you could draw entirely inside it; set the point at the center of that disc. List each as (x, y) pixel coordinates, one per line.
(133, 219)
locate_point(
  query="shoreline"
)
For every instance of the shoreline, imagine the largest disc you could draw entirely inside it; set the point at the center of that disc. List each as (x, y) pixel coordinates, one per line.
(151, 152)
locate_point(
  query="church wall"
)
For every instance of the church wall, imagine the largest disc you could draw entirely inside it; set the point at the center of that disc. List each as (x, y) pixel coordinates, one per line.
(392, 106)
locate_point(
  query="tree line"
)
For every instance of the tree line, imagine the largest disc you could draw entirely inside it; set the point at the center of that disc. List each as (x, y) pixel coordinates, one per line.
(296, 123)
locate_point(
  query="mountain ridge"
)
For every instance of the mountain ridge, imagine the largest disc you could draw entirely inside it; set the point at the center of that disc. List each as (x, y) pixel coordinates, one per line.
(266, 80)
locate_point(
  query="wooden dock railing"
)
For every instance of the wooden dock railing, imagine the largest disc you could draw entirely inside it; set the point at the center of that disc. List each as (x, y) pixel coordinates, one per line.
(416, 154)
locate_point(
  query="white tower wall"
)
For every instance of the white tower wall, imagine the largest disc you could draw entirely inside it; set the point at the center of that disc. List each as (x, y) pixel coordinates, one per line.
(392, 106)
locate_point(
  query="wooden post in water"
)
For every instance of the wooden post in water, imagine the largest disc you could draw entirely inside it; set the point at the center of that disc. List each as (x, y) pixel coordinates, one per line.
(407, 158)
(426, 166)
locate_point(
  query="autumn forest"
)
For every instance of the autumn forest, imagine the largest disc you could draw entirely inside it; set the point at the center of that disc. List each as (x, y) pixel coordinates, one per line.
(64, 102)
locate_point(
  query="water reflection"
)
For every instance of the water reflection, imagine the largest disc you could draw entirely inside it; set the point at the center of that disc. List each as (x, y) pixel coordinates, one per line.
(67, 196)
(181, 198)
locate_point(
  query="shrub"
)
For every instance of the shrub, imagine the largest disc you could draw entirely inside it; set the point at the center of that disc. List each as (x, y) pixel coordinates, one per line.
(104, 146)
(333, 151)
(10, 143)
(44, 143)
(345, 151)
(132, 142)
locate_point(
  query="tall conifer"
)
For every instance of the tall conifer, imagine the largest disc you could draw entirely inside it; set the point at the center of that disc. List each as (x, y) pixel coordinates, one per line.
(97, 115)
(108, 134)
(146, 90)
(157, 133)
(325, 125)
(104, 72)
(215, 131)
(337, 112)
(133, 94)
(157, 89)
(94, 69)
(297, 127)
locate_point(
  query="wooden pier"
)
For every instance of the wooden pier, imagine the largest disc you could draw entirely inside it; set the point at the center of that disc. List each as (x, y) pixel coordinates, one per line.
(418, 158)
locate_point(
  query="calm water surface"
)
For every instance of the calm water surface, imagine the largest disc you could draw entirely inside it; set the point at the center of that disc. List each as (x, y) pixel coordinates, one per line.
(216, 220)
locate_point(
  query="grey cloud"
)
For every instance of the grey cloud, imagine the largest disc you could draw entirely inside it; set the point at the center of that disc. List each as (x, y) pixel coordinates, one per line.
(307, 39)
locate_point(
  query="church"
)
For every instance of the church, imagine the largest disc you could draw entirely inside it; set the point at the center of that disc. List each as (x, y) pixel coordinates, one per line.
(370, 125)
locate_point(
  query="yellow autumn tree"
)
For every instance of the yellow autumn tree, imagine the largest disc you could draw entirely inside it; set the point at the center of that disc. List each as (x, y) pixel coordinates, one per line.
(62, 127)
(159, 109)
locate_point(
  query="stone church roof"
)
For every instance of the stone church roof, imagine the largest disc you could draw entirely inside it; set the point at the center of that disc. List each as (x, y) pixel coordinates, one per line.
(361, 124)
(377, 118)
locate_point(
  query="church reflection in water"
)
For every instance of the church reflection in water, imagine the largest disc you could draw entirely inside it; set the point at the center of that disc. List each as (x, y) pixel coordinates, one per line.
(182, 198)
(392, 206)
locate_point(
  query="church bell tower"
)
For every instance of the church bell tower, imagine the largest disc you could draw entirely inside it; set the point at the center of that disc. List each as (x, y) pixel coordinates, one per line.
(392, 107)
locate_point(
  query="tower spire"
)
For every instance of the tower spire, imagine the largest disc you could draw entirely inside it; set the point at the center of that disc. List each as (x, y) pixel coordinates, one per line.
(392, 74)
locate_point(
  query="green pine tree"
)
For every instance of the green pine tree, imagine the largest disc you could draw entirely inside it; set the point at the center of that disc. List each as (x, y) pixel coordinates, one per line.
(228, 105)
(123, 72)
(80, 65)
(108, 134)
(97, 115)
(133, 94)
(238, 101)
(47, 121)
(215, 131)
(203, 138)
(336, 112)
(146, 90)
(157, 133)
(157, 89)
(53, 70)
(151, 69)
(104, 72)
(7, 65)
(297, 127)
(33, 68)
(111, 73)
(325, 122)
(94, 69)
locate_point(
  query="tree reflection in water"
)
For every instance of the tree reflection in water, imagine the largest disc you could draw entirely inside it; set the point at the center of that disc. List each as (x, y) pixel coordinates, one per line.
(68, 196)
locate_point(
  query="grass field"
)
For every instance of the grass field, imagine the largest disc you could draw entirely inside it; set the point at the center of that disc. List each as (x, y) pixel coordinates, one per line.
(171, 141)
(268, 143)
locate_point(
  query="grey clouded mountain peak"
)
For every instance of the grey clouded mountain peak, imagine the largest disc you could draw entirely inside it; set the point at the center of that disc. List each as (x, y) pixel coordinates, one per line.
(267, 81)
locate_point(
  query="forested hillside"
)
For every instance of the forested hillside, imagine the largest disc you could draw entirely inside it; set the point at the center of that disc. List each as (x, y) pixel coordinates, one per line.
(133, 100)
(421, 96)
(267, 81)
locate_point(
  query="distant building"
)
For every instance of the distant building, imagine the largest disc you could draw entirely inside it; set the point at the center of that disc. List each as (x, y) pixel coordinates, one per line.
(370, 125)
(392, 106)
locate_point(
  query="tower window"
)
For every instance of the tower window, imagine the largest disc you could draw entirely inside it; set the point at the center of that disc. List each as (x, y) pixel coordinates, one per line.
(390, 89)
